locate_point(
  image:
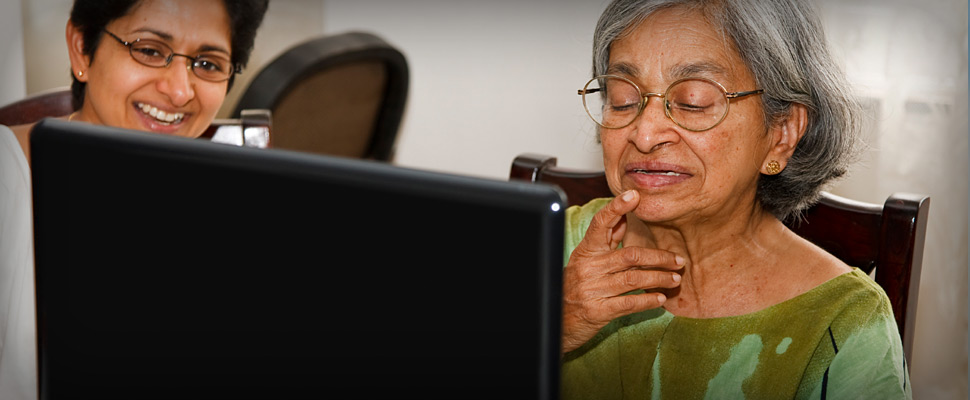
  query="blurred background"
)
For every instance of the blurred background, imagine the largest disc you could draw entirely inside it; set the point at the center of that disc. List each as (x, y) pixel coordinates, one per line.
(491, 80)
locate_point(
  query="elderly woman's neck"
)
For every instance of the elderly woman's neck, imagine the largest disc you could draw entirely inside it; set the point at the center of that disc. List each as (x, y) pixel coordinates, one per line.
(700, 240)
(724, 259)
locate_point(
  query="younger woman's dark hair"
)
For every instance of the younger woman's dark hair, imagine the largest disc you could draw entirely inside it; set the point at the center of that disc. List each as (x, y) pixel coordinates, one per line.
(92, 16)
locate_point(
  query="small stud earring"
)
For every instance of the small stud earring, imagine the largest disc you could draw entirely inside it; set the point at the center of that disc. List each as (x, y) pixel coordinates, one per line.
(773, 167)
(80, 74)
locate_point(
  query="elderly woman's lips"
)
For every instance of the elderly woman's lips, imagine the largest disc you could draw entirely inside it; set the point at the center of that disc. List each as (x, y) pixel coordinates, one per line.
(657, 176)
(668, 173)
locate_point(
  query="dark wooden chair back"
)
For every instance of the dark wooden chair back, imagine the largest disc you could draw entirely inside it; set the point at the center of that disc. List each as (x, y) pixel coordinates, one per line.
(887, 238)
(50, 103)
(338, 94)
(251, 129)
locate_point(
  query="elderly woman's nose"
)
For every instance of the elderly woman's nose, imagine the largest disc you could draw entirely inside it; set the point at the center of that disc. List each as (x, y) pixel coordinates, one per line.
(653, 129)
(176, 82)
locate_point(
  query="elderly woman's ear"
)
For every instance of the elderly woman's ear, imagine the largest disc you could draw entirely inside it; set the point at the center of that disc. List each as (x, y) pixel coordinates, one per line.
(785, 134)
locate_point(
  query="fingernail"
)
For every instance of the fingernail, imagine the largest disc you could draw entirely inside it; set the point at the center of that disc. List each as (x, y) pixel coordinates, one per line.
(661, 298)
(679, 260)
(628, 195)
(676, 278)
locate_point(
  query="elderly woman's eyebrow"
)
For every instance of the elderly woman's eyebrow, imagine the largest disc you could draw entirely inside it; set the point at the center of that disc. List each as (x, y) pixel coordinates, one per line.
(688, 70)
(678, 71)
(623, 68)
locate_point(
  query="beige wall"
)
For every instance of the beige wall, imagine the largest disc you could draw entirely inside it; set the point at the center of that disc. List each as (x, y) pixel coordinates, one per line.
(12, 85)
(492, 79)
(45, 52)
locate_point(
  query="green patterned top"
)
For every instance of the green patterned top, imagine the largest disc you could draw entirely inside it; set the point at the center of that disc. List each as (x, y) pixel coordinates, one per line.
(836, 341)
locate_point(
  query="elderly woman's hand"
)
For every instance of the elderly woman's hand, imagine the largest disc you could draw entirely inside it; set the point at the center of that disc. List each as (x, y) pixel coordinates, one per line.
(598, 275)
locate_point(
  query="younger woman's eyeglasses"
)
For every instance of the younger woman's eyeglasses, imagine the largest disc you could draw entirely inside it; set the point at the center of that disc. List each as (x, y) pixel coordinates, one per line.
(156, 54)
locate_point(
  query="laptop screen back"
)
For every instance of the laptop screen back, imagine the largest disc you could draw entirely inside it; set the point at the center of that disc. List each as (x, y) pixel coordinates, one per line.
(170, 267)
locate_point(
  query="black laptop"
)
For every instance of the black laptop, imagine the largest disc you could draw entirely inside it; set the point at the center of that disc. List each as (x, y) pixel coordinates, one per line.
(179, 268)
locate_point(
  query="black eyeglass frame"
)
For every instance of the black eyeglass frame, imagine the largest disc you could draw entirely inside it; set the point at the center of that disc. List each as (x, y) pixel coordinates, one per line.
(234, 69)
(645, 98)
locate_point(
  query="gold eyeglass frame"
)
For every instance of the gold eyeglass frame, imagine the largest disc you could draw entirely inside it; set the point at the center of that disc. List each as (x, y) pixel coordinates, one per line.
(645, 98)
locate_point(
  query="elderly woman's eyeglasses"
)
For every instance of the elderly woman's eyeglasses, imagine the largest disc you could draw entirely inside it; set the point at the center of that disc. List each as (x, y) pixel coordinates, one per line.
(157, 54)
(695, 104)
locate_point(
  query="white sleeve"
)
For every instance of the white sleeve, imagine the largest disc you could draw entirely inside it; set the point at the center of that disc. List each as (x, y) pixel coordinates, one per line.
(18, 348)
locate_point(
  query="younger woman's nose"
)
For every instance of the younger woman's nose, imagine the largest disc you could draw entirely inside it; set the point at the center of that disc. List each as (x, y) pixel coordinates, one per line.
(177, 83)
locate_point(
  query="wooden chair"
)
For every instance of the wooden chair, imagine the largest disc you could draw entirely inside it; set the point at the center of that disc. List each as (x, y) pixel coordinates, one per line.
(339, 94)
(251, 129)
(51, 103)
(886, 238)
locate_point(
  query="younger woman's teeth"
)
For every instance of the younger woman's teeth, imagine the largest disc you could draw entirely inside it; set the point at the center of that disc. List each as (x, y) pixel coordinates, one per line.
(161, 116)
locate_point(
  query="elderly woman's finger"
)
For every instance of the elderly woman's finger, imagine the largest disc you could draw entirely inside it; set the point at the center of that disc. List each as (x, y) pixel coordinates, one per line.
(602, 286)
(608, 225)
(641, 257)
(618, 306)
(633, 303)
(633, 279)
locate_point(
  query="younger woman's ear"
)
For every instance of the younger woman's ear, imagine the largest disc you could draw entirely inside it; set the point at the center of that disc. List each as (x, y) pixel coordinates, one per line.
(785, 135)
(75, 51)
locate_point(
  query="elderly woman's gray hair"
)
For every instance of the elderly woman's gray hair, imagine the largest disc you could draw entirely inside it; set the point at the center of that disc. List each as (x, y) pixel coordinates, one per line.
(783, 45)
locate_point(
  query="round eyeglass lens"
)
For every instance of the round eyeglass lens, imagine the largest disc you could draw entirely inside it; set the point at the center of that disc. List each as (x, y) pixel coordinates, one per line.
(150, 53)
(612, 102)
(212, 68)
(696, 104)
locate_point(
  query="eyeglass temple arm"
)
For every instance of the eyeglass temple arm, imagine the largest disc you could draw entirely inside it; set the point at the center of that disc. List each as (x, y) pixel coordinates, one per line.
(742, 94)
(587, 91)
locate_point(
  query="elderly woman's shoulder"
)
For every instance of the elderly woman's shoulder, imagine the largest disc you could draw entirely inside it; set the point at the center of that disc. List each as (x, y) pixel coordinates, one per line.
(860, 303)
(815, 265)
(864, 288)
(855, 292)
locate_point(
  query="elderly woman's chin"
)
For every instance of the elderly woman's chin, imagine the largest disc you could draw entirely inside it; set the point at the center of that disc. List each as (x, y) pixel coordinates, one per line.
(658, 209)
(664, 203)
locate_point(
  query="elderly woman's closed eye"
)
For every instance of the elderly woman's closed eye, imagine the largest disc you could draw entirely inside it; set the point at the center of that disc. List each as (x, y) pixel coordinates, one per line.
(718, 120)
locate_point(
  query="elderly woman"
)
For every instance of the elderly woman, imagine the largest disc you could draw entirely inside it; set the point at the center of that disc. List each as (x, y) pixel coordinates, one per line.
(160, 66)
(718, 120)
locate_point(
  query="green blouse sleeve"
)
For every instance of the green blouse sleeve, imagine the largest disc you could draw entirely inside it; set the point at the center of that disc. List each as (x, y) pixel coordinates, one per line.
(868, 354)
(578, 219)
(590, 372)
